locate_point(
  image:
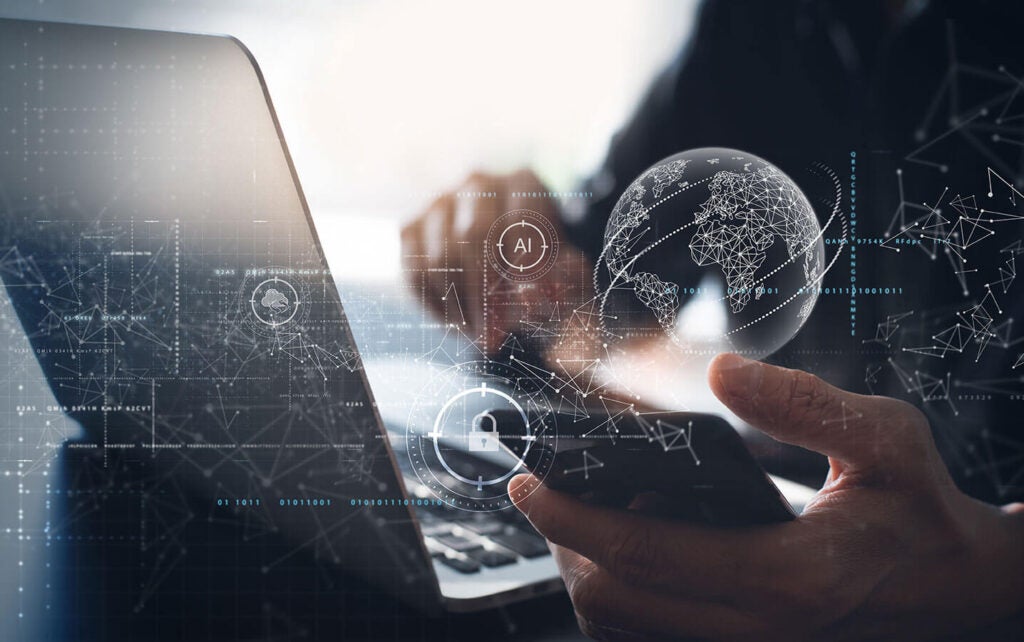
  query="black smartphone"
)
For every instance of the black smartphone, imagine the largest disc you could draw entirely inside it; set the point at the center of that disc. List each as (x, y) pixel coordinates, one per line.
(683, 465)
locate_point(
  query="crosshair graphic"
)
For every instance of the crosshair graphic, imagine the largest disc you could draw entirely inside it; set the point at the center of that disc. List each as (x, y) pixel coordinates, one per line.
(478, 439)
(453, 435)
(274, 302)
(522, 245)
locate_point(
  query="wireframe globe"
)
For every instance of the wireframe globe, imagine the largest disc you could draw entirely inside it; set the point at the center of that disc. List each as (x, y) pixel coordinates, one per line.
(714, 249)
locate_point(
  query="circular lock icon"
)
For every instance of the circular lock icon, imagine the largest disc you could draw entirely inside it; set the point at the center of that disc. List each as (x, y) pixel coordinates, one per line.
(483, 436)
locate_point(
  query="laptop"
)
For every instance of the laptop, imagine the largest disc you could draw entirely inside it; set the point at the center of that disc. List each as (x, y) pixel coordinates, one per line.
(163, 263)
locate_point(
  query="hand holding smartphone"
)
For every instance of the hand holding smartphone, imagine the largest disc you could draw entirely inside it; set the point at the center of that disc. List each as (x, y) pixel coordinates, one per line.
(689, 466)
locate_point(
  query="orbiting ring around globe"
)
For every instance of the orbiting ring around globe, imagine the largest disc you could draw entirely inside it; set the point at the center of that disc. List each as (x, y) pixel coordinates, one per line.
(716, 250)
(452, 440)
(522, 245)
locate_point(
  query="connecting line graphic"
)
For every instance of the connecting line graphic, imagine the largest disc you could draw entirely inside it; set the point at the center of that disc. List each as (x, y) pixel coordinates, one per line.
(736, 227)
(760, 205)
(571, 399)
(451, 295)
(971, 121)
(589, 463)
(976, 325)
(925, 386)
(957, 129)
(223, 344)
(972, 225)
(871, 373)
(886, 329)
(614, 411)
(454, 346)
(511, 345)
(846, 415)
(1007, 274)
(669, 436)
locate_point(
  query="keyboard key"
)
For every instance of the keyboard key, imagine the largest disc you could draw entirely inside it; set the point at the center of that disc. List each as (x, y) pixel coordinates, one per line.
(435, 549)
(483, 527)
(459, 564)
(434, 529)
(525, 544)
(492, 559)
(457, 542)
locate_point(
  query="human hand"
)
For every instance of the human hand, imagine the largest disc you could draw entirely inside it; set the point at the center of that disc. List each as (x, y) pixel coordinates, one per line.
(888, 549)
(443, 248)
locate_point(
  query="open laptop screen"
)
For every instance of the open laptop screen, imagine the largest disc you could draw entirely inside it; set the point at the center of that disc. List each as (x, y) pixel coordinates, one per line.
(159, 255)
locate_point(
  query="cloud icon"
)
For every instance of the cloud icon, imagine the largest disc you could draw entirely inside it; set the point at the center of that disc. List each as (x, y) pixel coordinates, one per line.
(274, 300)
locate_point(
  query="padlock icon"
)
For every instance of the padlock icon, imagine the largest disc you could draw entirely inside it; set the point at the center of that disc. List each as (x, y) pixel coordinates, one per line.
(483, 434)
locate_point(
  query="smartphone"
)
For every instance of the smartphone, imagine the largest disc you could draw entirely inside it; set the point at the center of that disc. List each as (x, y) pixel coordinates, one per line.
(682, 465)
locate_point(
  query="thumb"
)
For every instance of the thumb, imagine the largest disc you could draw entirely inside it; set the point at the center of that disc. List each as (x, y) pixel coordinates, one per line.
(800, 409)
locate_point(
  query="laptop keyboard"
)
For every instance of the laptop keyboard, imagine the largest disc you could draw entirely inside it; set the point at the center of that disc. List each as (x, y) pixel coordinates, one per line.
(467, 541)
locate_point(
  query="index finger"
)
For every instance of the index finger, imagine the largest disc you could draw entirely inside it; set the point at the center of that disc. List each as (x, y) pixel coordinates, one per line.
(647, 551)
(799, 408)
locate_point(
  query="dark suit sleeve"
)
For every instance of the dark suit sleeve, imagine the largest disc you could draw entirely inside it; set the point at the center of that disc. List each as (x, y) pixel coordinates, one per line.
(677, 113)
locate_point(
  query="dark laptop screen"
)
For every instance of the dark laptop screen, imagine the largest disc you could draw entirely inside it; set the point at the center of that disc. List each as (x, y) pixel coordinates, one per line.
(157, 250)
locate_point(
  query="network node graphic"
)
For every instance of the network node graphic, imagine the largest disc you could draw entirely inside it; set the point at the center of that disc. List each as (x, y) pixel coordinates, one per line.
(717, 249)
(453, 434)
(522, 245)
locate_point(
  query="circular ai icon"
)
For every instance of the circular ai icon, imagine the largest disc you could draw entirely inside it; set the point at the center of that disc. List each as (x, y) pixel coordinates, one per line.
(522, 245)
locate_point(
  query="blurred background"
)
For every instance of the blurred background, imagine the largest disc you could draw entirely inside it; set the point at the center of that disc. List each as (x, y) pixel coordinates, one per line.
(385, 102)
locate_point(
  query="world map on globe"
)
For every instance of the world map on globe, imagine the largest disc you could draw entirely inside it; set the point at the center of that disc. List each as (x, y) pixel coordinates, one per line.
(709, 216)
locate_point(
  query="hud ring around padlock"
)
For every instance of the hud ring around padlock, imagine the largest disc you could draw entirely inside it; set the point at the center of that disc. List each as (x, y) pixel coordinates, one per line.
(449, 412)
(438, 432)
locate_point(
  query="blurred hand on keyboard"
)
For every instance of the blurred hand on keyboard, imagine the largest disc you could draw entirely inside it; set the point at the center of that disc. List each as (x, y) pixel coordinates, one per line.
(443, 252)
